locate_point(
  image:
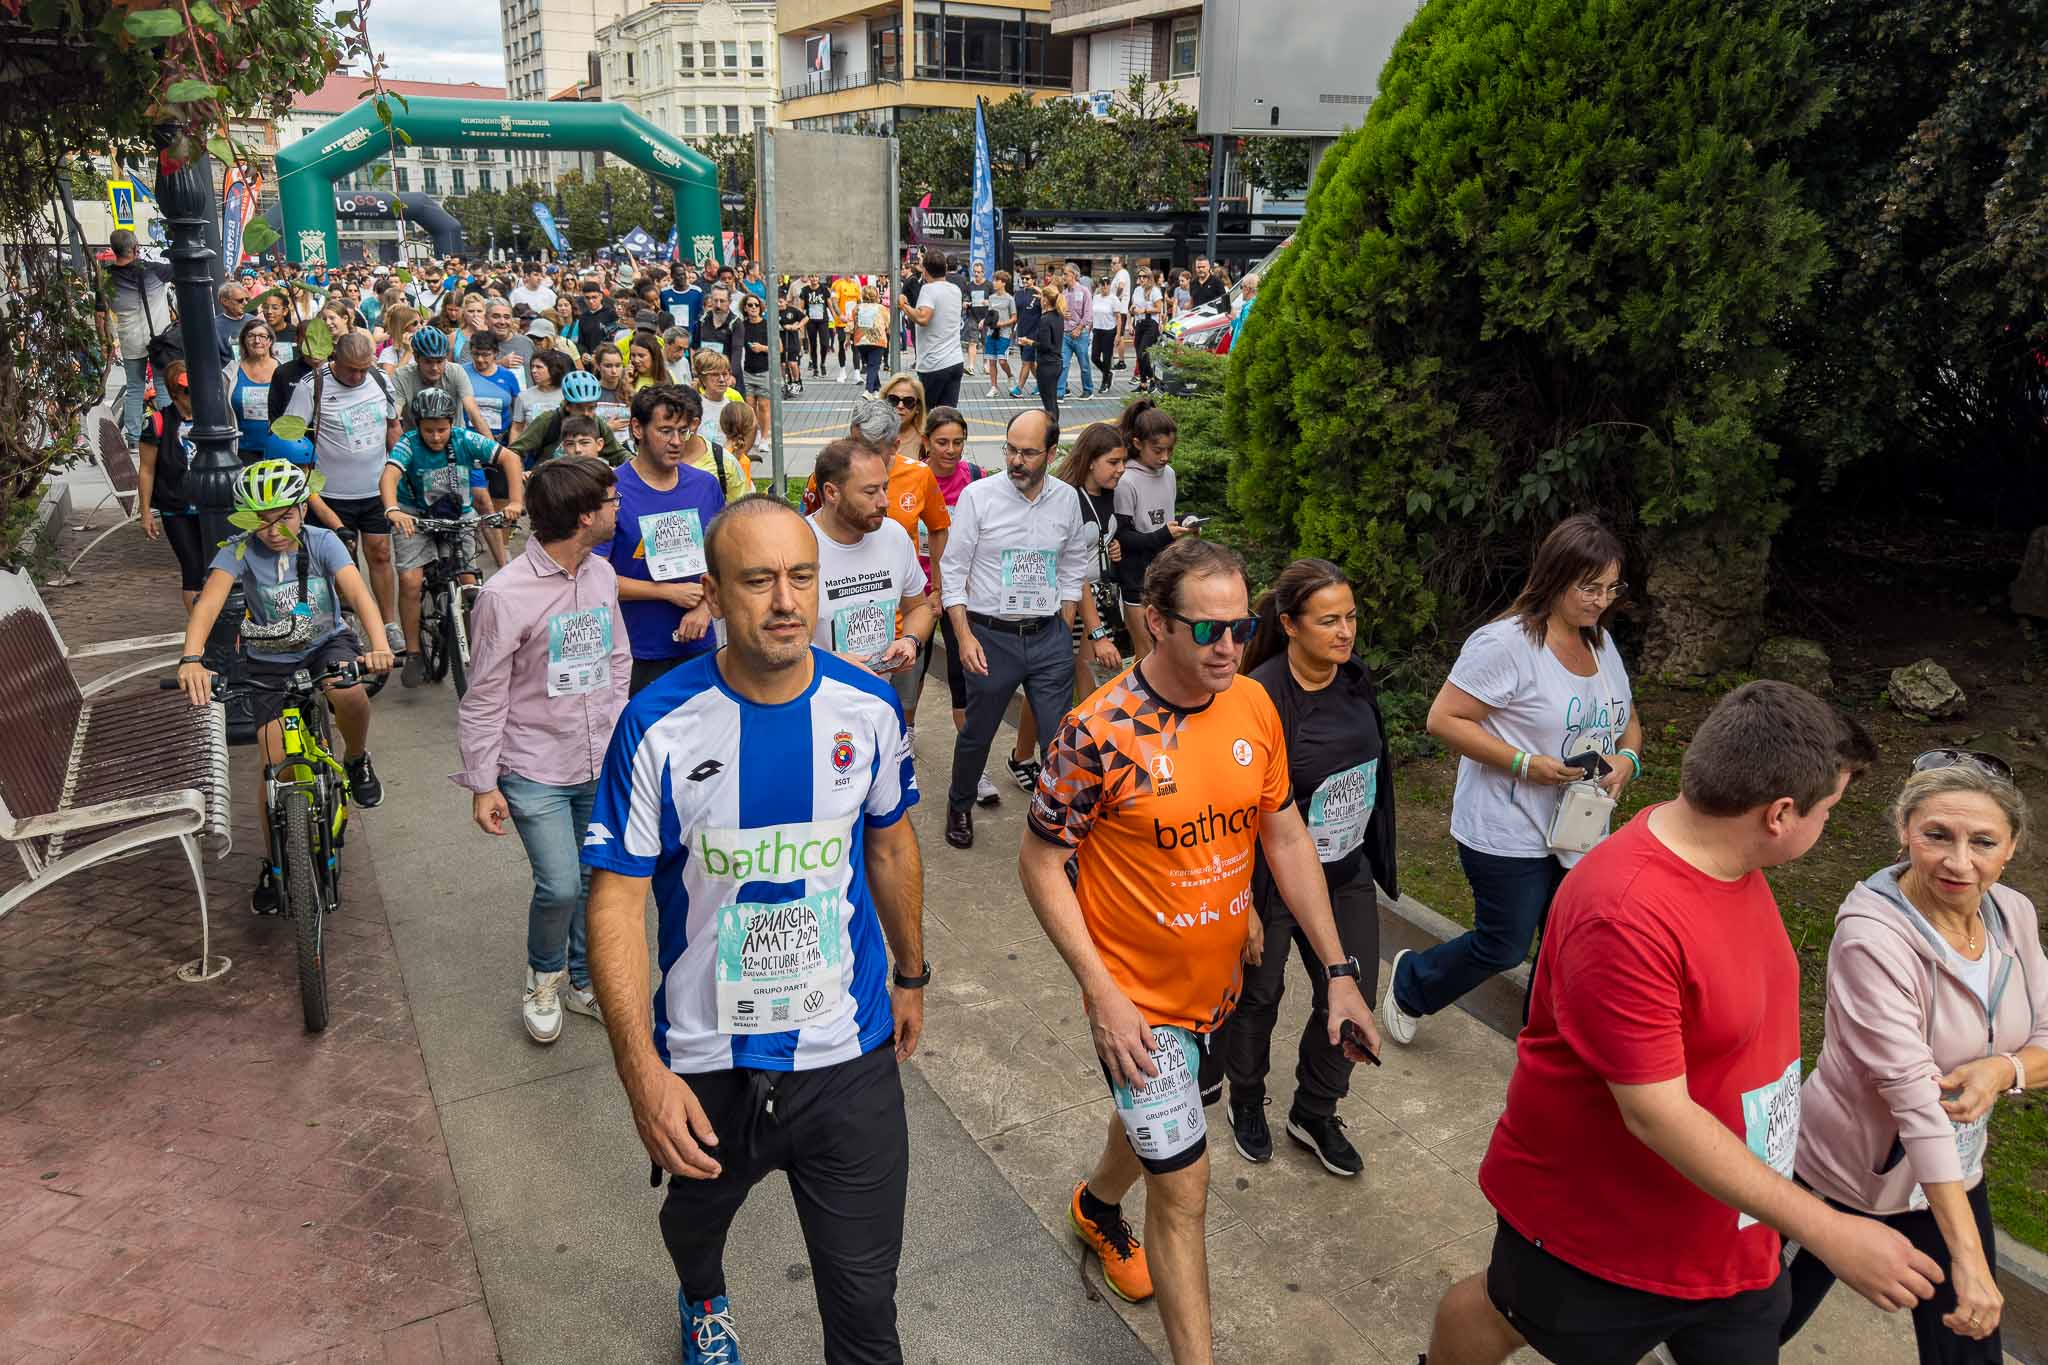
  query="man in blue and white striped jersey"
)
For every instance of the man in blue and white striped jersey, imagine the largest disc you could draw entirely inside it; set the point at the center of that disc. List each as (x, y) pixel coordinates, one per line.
(760, 791)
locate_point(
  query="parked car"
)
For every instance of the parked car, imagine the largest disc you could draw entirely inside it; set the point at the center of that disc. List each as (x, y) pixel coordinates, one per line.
(1206, 326)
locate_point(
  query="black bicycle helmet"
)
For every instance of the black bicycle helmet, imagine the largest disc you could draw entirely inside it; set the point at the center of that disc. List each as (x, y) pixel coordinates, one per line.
(429, 404)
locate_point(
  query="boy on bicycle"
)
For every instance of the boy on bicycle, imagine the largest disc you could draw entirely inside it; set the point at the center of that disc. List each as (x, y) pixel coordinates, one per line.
(429, 474)
(289, 570)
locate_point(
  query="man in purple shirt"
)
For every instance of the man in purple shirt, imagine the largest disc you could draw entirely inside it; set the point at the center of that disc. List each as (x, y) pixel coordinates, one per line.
(547, 679)
(1080, 321)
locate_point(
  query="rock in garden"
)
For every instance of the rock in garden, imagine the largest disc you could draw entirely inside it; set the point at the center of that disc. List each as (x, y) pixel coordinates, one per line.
(1788, 658)
(1926, 691)
(2030, 590)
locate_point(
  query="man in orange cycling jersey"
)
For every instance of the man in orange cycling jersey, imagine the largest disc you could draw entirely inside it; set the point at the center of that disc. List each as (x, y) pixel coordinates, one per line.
(1161, 787)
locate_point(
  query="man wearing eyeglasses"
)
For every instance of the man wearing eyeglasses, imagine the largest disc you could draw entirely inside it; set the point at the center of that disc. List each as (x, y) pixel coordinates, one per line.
(1016, 560)
(1161, 789)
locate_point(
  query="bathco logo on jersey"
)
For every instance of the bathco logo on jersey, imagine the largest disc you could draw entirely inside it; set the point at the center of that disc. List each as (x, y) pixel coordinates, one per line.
(1211, 825)
(774, 853)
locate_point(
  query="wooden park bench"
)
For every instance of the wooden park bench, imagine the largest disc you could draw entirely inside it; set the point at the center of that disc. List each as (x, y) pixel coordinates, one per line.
(86, 776)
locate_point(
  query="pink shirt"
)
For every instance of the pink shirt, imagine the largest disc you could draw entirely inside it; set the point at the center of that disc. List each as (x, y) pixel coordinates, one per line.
(529, 625)
(950, 488)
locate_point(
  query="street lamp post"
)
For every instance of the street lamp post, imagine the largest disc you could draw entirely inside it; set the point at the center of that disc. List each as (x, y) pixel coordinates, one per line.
(607, 211)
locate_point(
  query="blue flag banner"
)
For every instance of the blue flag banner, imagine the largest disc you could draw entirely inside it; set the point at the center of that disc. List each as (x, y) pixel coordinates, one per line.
(546, 218)
(675, 245)
(981, 238)
(637, 243)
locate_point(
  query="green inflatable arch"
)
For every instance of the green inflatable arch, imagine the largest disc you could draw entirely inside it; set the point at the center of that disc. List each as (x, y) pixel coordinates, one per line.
(307, 170)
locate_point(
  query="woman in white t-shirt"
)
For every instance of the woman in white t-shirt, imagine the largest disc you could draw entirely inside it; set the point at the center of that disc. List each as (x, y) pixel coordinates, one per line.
(1540, 685)
(1109, 312)
(1147, 312)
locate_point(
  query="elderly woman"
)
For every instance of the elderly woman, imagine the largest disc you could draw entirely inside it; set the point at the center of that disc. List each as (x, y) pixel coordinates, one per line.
(1937, 1004)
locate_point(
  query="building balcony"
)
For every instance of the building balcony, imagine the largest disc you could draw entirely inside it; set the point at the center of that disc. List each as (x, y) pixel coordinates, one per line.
(842, 80)
(1087, 16)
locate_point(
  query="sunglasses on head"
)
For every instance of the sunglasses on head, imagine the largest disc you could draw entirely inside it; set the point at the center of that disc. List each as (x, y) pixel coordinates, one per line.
(1206, 633)
(1991, 765)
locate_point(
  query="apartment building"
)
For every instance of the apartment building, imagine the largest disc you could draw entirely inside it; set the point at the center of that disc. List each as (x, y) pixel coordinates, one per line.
(547, 51)
(694, 68)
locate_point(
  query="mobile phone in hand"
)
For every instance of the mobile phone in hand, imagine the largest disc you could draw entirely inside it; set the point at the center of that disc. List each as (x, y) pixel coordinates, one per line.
(1590, 763)
(1351, 1033)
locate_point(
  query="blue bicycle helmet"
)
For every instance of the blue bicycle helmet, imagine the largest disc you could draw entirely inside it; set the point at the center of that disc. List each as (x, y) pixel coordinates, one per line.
(298, 451)
(430, 343)
(581, 386)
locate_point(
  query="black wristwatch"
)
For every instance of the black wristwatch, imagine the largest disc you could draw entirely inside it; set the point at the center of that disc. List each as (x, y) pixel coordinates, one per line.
(1100, 633)
(917, 983)
(1348, 967)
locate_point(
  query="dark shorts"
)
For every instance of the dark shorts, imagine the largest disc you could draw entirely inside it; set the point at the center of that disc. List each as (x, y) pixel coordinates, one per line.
(495, 484)
(265, 702)
(1575, 1318)
(1174, 1153)
(364, 516)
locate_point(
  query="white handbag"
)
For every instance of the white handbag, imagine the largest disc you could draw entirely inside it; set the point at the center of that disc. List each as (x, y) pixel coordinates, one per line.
(1581, 817)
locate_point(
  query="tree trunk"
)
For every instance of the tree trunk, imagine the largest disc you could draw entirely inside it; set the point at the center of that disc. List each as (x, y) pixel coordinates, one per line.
(1706, 594)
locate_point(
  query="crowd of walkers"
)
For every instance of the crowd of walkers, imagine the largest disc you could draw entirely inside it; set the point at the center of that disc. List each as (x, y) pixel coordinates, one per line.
(686, 689)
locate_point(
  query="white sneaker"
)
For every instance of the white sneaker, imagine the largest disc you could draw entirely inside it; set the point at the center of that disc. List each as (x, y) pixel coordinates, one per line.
(1396, 1022)
(394, 635)
(991, 391)
(542, 1009)
(985, 793)
(582, 1000)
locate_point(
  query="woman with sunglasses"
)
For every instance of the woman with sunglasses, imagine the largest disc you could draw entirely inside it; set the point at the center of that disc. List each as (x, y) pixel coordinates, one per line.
(751, 340)
(1538, 687)
(1937, 1004)
(904, 393)
(249, 387)
(1336, 739)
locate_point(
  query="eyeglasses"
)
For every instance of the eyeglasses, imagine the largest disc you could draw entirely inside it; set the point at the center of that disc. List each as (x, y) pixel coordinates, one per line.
(1206, 633)
(613, 500)
(1601, 592)
(1022, 452)
(1991, 765)
(901, 400)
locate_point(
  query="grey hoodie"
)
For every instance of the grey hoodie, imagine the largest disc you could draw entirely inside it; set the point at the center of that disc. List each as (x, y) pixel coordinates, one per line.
(1898, 1019)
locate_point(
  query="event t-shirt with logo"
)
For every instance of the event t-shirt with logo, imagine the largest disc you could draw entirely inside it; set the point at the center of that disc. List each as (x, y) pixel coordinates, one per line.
(427, 477)
(660, 538)
(1165, 806)
(752, 822)
(1540, 706)
(1334, 755)
(270, 586)
(938, 341)
(861, 589)
(348, 445)
(495, 394)
(1650, 970)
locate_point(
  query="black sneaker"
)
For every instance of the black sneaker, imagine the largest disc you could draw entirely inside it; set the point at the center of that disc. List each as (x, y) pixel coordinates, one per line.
(363, 787)
(1024, 774)
(1325, 1137)
(268, 897)
(1248, 1130)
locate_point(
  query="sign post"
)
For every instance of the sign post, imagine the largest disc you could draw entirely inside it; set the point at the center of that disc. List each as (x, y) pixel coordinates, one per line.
(764, 195)
(892, 274)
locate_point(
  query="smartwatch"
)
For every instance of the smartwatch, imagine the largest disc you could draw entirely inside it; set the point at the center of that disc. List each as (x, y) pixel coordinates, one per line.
(913, 983)
(1100, 633)
(1348, 967)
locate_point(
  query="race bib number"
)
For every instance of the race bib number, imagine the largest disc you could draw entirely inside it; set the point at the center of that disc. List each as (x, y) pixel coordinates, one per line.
(679, 313)
(865, 629)
(613, 414)
(284, 351)
(579, 652)
(492, 406)
(715, 347)
(1340, 810)
(816, 311)
(779, 965)
(1770, 1125)
(256, 403)
(673, 543)
(1970, 1142)
(1030, 584)
(1162, 1115)
(364, 425)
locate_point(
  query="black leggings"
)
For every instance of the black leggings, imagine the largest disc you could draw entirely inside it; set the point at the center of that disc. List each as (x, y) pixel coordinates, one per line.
(187, 543)
(839, 1134)
(1811, 1281)
(1049, 387)
(1144, 336)
(1105, 352)
(814, 334)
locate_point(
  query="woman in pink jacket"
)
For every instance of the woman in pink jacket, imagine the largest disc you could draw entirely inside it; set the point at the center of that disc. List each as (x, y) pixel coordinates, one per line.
(1937, 1005)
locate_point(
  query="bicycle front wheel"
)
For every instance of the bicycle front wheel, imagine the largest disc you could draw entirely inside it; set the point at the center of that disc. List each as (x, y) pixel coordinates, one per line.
(308, 907)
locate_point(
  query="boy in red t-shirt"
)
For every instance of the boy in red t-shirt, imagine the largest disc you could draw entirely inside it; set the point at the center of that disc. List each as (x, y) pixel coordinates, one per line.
(1642, 1168)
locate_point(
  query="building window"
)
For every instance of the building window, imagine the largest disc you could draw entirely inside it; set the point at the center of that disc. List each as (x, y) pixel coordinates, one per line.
(732, 55)
(427, 178)
(483, 180)
(732, 119)
(455, 178)
(757, 57)
(1183, 57)
(760, 116)
(455, 153)
(686, 61)
(885, 53)
(404, 181)
(708, 55)
(711, 120)
(689, 120)
(956, 48)
(629, 68)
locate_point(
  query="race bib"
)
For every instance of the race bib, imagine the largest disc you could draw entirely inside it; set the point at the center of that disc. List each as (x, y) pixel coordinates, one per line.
(779, 965)
(492, 406)
(1971, 1139)
(817, 311)
(1030, 584)
(612, 414)
(1162, 1115)
(865, 629)
(364, 425)
(673, 543)
(256, 403)
(715, 347)
(579, 652)
(1340, 810)
(679, 313)
(284, 351)
(1770, 1125)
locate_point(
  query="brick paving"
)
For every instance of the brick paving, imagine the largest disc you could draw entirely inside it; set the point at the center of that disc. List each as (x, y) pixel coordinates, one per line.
(185, 1174)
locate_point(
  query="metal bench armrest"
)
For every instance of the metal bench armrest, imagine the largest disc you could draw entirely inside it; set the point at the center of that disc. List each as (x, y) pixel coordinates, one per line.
(189, 800)
(165, 663)
(127, 646)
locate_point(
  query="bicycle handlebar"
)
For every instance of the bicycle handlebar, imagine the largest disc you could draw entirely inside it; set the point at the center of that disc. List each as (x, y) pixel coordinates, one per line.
(345, 671)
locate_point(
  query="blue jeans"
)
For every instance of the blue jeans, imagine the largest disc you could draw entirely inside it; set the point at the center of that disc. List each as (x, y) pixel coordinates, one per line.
(1074, 351)
(551, 821)
(136, 368)
(1510, 898)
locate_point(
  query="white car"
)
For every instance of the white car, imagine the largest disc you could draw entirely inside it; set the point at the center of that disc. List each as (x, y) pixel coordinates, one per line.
(1204, 326)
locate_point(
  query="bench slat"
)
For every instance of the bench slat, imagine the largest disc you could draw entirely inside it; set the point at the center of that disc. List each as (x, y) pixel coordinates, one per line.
(39, 709)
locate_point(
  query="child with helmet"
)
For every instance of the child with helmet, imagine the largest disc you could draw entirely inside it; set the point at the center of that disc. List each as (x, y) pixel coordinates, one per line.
(292, 573)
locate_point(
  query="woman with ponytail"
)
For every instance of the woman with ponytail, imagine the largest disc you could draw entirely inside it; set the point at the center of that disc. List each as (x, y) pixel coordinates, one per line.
(1336, 750)
(1146, 523)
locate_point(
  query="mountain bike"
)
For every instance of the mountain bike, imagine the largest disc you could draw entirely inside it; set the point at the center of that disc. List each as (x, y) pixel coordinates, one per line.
(306, 795)
(446, 599)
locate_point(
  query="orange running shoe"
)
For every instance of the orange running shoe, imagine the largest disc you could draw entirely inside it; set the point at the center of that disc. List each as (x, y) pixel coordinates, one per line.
(1123, 1259)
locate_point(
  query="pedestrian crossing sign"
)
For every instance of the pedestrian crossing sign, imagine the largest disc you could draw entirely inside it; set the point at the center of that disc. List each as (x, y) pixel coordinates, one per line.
(121, 199)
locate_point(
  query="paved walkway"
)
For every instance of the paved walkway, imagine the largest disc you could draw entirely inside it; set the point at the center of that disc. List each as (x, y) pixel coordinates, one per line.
(184, 1175)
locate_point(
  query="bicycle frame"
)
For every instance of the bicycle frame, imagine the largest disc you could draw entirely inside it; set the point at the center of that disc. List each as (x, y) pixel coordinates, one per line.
(300, 770)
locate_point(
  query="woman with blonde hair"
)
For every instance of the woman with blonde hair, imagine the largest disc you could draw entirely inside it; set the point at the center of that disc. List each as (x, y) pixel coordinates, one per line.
(1937, 1004)
(871, 336)
(400, 321)
(903, 391)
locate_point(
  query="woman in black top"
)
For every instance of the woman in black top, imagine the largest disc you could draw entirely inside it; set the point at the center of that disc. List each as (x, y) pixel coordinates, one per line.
(1045, 349)
(163, 459)
(1336, 754)
(751, 340)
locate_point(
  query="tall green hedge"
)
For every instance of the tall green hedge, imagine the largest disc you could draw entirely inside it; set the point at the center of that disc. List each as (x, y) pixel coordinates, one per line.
(1544, 276)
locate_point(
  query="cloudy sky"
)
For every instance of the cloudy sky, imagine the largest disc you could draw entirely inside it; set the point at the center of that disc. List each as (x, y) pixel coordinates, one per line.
(445, 40)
